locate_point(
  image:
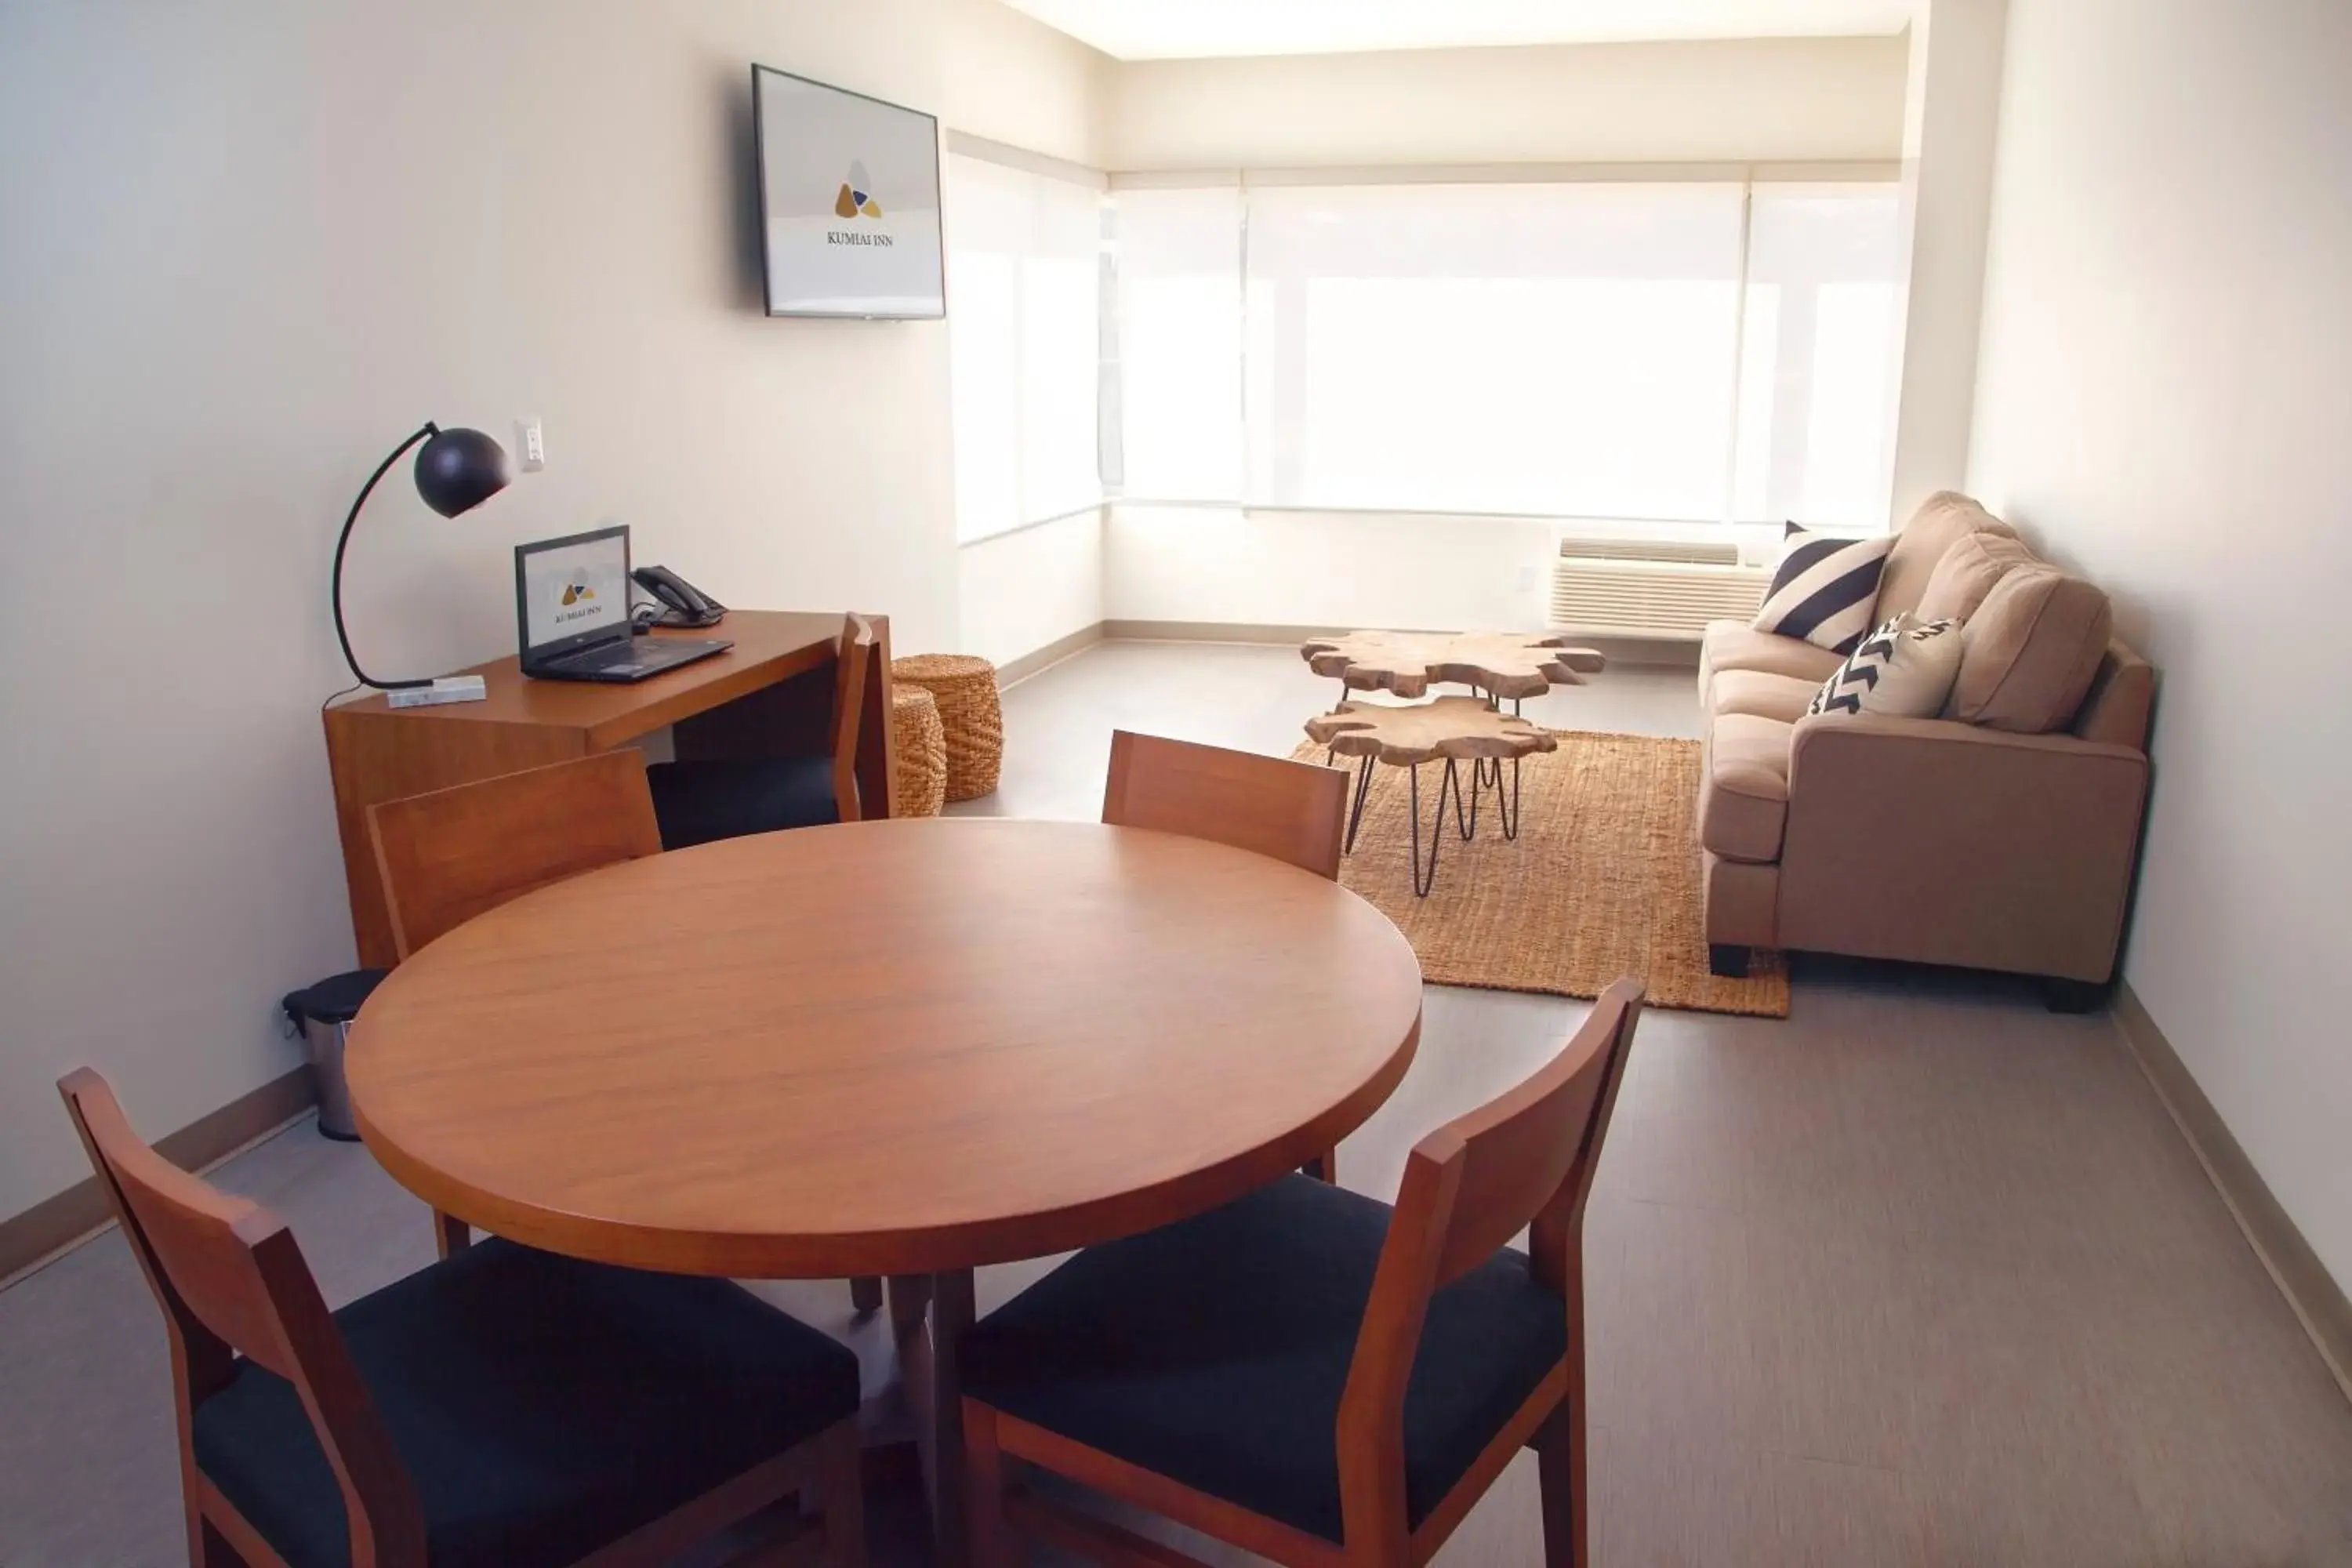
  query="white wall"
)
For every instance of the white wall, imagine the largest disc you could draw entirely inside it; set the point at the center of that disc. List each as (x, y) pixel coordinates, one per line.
(2163, 402)
(1411, 570)
(1952, 113)
(1317, 569)
(1024, 590)
(1013, 79)
(1750, 99)
(251, 244)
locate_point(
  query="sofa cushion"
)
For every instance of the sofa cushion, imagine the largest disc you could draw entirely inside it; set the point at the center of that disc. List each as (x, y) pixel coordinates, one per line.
(1942, 520)
(1975, 561)
(2028, 654)
(1735, 644)
(1743, 792)
(1762, 694)
(2114, 711)
(1823, 588)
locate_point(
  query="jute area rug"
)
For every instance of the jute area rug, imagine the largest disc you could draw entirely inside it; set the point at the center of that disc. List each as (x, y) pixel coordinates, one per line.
(1603, 879)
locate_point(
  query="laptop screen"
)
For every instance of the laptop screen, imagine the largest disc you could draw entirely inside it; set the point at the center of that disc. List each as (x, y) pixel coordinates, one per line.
(570, 593)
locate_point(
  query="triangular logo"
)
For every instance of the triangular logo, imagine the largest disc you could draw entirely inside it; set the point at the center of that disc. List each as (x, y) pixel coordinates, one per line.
(856, 197)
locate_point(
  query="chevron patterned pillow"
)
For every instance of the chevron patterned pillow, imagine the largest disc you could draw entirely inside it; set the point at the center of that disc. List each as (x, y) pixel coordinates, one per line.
(1905, 669)
(1824, 588)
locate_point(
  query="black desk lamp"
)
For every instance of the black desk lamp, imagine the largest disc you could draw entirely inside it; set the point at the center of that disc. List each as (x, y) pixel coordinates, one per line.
(456, 471)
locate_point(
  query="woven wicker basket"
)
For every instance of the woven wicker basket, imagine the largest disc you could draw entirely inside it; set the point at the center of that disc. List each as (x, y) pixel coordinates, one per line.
(965, 689)
(918, 783)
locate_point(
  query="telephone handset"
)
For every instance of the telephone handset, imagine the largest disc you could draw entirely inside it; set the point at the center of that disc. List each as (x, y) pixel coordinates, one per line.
(687, 605)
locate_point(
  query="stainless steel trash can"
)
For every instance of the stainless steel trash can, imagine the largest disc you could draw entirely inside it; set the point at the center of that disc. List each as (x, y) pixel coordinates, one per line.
(322, 1014)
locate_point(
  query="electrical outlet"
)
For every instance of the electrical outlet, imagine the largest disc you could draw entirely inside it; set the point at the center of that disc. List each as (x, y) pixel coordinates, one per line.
(1531, 579)
(532, 441)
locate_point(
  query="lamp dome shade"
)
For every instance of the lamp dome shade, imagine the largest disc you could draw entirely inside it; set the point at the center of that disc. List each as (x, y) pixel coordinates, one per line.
(457, 471)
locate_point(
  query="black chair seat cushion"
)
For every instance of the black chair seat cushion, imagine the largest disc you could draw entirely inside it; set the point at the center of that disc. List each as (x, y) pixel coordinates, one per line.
(544, 1406)
(728, 797)
(1214, 1351)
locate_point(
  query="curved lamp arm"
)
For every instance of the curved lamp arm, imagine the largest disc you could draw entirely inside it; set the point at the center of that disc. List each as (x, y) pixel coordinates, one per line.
(424, 432)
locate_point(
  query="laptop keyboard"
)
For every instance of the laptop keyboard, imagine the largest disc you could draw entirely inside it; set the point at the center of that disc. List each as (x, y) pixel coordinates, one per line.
(625, 658)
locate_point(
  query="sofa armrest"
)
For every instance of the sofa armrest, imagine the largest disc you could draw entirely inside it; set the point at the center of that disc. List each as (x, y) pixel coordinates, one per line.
(1828, 734)
(1941, 842)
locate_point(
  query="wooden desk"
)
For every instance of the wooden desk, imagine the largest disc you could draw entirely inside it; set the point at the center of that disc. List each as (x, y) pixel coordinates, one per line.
(770, 694)
(894, 1047)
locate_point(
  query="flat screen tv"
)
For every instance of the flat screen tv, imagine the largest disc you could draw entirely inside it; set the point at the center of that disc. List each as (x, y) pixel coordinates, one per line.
(849, 201)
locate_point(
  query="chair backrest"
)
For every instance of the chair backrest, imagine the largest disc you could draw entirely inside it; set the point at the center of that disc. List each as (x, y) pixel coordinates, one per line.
(1269, 806)
(231, 1280)
(849, 671)
(1525, 1159)
(446, 856)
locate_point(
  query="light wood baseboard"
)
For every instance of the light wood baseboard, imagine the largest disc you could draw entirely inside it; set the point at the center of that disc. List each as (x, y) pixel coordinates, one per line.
(2312, 1293)
(55, 1224)
(1621, 650)
(1052, 653)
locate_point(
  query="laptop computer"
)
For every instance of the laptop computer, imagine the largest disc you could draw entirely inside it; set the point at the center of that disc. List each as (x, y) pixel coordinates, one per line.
(571, 606)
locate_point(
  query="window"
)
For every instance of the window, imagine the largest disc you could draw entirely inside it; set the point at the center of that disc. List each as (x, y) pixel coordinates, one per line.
(1494, 348)
(1178, 334)
(1820, 354)
(1675, 352)
(1024, 323)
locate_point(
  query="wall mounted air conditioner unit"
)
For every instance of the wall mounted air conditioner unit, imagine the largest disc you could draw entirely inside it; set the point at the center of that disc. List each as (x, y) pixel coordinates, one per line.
(1665, 589)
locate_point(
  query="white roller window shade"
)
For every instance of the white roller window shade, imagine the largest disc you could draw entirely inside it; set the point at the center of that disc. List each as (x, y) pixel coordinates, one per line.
(1822, 354)
(1024, 323)
(1179, 264)
(1559, 349)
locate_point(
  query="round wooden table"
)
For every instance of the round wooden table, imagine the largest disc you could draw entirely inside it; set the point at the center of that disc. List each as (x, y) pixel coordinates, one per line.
(901, 1047)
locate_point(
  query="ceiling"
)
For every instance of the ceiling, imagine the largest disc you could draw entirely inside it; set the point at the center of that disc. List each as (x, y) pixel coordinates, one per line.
(1175, 29)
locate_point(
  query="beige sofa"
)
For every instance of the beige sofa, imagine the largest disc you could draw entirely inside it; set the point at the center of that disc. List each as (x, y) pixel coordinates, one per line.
(2000, 836)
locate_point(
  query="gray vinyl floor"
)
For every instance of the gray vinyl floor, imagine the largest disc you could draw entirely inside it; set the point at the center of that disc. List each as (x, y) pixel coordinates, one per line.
(1921, 1275)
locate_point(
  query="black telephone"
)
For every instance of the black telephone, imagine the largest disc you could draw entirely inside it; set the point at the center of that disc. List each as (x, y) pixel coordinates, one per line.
(688, 605)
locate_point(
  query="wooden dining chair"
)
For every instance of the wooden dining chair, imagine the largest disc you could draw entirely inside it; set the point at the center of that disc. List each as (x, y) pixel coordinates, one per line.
(1268, 805)
(1308, 1373)
(451, 854)
(504, 1408)
(703, 800)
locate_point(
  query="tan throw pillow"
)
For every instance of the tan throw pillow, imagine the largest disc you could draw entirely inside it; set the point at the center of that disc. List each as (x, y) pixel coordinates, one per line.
(1942, 519)
(1967, 572)
(2028, 655)
(1905, 669)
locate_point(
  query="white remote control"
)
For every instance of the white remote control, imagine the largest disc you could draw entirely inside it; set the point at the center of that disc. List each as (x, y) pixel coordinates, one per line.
(447, 689)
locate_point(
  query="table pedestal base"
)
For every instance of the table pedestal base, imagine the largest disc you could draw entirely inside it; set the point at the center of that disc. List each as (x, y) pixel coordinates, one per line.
(928, 1315)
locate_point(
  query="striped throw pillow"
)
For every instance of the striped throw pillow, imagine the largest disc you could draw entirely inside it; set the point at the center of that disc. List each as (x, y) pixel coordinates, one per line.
(1824, 589)
(1904, 669)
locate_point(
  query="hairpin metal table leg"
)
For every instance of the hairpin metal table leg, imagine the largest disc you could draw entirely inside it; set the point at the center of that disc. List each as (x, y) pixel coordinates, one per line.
(1465, 822)
(1356, 811)
(1426, 878)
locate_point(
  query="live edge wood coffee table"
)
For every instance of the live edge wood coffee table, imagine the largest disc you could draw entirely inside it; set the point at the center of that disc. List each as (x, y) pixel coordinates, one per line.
(897, 1047)
(1449, 729)
(1498, 664)
(1493, 665)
